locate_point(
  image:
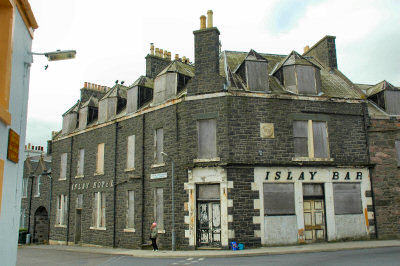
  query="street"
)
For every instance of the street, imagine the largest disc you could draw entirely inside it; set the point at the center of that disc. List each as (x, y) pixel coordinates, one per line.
(376, 256)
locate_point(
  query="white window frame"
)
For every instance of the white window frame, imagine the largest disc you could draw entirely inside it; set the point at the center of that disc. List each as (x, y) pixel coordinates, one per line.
(61, 211)
(37, 185)
(160, 223)
(63, 166)
(310, 143)
(99, 211)
(100, 159)
(81, 164)
(130, 153)
(130, 212)
(25, 182)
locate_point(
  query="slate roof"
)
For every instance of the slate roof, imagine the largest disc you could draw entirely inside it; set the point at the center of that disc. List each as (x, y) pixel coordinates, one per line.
(333, 83)
(117, 91)
(383, 85)
(92, 102)
(293, 58)
(74, 108)
(143, 81)
(179, 67)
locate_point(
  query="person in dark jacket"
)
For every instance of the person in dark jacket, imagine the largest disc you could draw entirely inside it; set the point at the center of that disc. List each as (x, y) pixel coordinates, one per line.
(153, 236)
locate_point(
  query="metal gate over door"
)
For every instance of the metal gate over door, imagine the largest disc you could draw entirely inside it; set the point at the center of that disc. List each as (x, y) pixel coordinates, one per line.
(208, 216)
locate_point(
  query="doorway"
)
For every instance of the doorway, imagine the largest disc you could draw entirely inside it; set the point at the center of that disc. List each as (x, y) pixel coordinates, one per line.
(314, 213)
(41, 226)
(208, 216)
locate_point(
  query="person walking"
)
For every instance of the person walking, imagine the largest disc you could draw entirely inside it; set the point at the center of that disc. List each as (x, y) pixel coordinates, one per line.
(153, 235)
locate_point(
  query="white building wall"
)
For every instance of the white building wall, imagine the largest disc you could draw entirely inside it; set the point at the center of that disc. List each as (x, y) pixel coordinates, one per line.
(290, 229)
(12, 178)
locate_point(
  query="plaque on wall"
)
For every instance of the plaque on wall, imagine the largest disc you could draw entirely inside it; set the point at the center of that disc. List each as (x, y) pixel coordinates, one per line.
(13, 146)
(267, 130)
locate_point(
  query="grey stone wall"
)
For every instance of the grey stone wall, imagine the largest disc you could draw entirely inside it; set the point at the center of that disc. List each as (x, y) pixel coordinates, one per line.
(325, 51)
(155, 64)
(385, 176)
(86, 93)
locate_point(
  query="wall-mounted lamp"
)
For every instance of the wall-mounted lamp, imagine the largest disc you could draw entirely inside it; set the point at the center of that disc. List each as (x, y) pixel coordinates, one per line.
(58, 55)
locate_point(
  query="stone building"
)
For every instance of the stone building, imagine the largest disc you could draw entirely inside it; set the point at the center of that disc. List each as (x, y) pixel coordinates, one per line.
(35, 201)
(384, 150)
(267, 149)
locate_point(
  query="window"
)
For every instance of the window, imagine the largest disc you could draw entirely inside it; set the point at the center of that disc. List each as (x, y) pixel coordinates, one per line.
(81, 163)
(159, 208)
(397, 144)
(99, 210)
(22, 219)
(79, 202)
(36, 186)
(62, 210)
(100, 159)
(207, 138)
(63, 166)
(279, 199)
(158, 145)
(130, 215)
(310, 139)
(25, 187)
(130, 157)
(347, 198)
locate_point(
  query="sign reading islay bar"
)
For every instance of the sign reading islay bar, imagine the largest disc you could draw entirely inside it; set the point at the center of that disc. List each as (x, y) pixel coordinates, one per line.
(13, 146)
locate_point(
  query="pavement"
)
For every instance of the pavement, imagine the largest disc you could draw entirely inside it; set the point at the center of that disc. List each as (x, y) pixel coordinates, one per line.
(316, 247)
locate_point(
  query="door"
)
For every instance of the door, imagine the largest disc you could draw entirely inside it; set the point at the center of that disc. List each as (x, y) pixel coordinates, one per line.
(209, 224)
(314, 220)
(41, 226)
(78, 226)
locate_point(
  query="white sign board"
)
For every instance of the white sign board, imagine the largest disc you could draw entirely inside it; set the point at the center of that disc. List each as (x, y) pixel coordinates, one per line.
(158, 175)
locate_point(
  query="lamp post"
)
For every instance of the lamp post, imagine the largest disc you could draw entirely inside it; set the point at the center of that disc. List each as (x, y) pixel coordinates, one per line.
(173, 201)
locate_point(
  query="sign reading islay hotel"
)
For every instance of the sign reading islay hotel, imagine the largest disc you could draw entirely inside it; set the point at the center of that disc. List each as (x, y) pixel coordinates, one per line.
(13, 146)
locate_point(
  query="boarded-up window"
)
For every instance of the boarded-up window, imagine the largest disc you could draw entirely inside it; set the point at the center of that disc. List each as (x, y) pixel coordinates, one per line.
(290, 78)
(63, 166)
(25, 187)
(313, 190)
(397, 143)
(62, 210)
(257, 75)
(306, 80)
(320, 139)
(99, 210)
(158, 145)
(130, 215)
(79, 201)
(300, 135)
(36, 186)
(347, 198)
(102, 111)
(130, 157)
(81, 162)
(208, 192)
(392, 99)
(207, 138)
(159, 207)
(100, 159)
(310, 139)
(279, 199)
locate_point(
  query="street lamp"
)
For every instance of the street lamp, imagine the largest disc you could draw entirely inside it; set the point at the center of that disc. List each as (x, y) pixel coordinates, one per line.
(173, 201)
(58, 55)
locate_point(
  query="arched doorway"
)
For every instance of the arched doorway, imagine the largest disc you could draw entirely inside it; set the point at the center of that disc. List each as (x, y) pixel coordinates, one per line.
(41, 226)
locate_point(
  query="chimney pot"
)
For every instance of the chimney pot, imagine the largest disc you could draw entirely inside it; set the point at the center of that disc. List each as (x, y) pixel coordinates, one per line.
(306, 48)
(169, 55)
(176, 56)
(209, 19)
(85, 85)
(165, 54)
(202, 22)
(184, 59)
(157, 52)
(161, 53)
(152, 48)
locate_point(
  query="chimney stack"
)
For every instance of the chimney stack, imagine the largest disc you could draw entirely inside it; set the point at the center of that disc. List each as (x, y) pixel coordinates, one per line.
(306, 48)
(202, 22)
(209, 19)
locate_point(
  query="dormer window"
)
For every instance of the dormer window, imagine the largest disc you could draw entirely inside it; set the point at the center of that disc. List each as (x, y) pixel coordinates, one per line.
(299, 75)
(182, 81)
(254, 72)
(71, 119)
(88, 112)
(386, 96)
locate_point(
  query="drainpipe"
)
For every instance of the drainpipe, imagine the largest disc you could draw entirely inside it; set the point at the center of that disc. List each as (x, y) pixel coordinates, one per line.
(69, 188)
(51, 188)
(30, 204)
(143, 156)
(115, 182)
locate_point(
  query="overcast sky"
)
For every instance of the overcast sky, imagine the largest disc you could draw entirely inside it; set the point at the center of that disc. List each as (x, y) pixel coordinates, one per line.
(112, 39)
